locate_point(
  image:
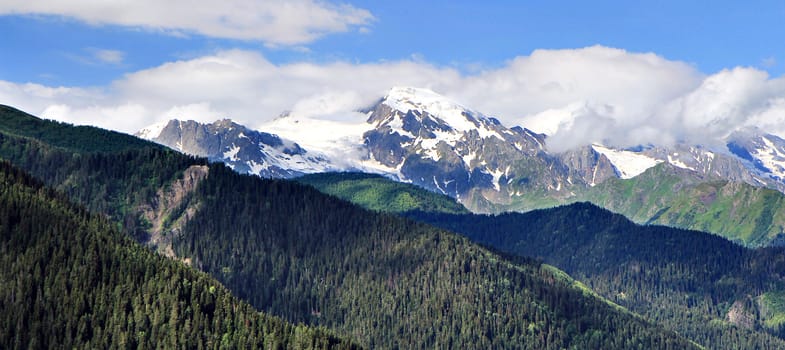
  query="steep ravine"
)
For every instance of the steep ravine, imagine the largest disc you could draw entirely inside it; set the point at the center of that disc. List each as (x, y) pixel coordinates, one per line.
(171, 208)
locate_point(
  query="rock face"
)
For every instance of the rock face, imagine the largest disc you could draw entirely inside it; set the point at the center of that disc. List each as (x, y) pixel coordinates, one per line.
(243, 149)
(763, 152)
(590, 166)
(438, 144)
(743, 313)
(171, 208)
(421, 137)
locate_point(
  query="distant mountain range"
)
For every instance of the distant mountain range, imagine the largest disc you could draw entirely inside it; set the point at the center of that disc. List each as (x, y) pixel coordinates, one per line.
(418, 136)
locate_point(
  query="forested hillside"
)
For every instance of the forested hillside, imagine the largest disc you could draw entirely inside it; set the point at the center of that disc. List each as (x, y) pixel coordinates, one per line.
(691, 282)
(114, 183)
(379, 193)
(74, 138)
(382, 280)
(386, 281)
(71, 280)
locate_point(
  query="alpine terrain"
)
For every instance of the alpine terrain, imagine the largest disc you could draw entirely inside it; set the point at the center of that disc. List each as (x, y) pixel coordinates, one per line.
(417, 136)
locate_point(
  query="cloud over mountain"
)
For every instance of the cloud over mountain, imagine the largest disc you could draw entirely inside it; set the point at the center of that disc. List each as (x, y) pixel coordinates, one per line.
(578, 96)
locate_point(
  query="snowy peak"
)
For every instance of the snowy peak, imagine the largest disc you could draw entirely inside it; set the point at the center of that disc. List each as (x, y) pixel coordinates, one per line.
(243, 149)
(426, 102)
(435, 142)
(152, 131)
(436, 112)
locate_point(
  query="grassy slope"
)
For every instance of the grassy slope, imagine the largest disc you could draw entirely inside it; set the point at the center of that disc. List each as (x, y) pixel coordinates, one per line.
(379, 193)
(751, 216)
(742, 213)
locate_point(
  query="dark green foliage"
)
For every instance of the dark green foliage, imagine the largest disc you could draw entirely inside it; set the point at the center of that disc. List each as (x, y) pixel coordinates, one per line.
(379, 193)
(685, 280)
(69, 280)
(309, 257)
(389, 282)
(109, 183)
(62, 135)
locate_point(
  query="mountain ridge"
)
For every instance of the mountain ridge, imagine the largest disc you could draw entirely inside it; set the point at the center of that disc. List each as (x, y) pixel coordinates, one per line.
(418, 136)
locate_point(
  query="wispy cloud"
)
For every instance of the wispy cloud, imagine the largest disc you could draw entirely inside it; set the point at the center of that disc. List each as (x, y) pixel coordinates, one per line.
(274, 22)
(108, 56)
(94, 56)
(594, 94)
(769, 62)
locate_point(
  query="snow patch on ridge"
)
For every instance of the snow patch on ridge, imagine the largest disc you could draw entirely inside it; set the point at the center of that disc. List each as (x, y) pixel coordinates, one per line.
(629, 164)
(772, 158)
(497, 174)
(231, 154)
(336, 140)
(152, 131)
(677, 163)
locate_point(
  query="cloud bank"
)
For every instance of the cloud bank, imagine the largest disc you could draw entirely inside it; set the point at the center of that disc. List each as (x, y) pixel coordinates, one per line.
(578, 96)
(275, 22)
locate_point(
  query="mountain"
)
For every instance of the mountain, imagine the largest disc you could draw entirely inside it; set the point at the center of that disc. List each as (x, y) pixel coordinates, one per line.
(419, 137)
(296, 253)
(702, 162)
(752, 216)
(243, 149)
(441, 145)
(764, 152)
(749, 215)
(71, 280)
(433, 134)
(692, 282)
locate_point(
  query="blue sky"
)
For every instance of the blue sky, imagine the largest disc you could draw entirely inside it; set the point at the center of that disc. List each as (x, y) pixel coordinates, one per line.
(469, 35)
(646, 69)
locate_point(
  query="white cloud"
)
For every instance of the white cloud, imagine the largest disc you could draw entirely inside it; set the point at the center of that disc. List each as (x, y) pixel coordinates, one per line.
(95, 57)
(275, 22)
(578, 96)
(549, 89)
(729, 100)
(108, 56)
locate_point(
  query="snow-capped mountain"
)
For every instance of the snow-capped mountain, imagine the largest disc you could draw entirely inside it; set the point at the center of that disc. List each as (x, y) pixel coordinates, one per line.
(243, 149)
(435, 142)
(416, 135)
(704, 163)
